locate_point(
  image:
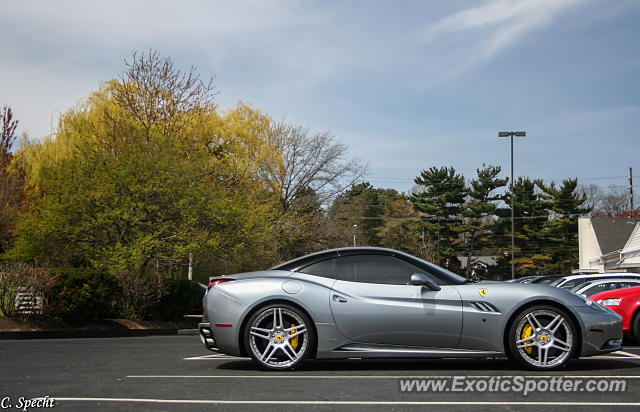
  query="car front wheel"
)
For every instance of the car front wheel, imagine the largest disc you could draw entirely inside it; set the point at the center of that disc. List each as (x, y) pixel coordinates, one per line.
(542, 337)
(279, 337)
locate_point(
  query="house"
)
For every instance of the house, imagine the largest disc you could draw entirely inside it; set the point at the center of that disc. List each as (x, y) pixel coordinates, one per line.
(608, 244)
(479, 264)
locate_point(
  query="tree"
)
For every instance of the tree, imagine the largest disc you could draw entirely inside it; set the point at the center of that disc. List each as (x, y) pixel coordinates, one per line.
(160, 97)
(593, 195)
(146, 172)
(612, 201)
(364, 206)
(562, 228)
(403, 229)
(480, 210)
(11, 177)
(312, 163)
(312, 169)
(440, 200)
(531, 213)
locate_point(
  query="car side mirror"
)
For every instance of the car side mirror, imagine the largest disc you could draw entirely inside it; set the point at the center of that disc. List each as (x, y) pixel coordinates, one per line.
(420, 279)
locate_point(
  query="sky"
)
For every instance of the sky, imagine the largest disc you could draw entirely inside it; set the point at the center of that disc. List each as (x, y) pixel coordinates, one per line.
(406, 85)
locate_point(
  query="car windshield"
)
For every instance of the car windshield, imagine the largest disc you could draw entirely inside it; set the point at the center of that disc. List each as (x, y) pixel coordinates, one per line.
(570, 284)
(578, 288)
(558, 281)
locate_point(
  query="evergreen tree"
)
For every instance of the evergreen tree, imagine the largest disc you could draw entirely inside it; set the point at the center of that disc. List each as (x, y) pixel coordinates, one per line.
(480, 210)
(441, 200)
(561, 231)
(364, 206)
(531, 213)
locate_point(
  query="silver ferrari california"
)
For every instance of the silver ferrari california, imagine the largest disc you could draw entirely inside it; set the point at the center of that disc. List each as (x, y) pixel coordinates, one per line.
(371, 302)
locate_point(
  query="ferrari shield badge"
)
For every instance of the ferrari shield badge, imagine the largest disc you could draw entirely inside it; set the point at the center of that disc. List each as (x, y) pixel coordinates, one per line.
(483, 292)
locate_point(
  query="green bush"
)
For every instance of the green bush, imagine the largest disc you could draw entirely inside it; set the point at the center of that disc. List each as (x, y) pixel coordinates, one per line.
(82, 294)
(180, 297)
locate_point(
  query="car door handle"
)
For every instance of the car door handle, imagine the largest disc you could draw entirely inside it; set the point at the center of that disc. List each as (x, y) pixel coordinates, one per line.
(339, 299)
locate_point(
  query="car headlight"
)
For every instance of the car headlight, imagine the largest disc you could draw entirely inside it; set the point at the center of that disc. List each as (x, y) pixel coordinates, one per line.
(586, 300)
(609, 302)
(594, 305)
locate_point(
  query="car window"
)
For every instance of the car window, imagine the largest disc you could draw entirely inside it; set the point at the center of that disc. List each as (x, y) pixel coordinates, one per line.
(325, 268)
(375, 269)
(600, 287)
(572, 283)
(627, 284)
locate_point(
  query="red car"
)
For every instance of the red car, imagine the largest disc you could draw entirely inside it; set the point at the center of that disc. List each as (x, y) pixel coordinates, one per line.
(626, 303)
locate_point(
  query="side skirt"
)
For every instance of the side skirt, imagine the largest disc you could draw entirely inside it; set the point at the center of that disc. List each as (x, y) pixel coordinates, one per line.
(363, 350)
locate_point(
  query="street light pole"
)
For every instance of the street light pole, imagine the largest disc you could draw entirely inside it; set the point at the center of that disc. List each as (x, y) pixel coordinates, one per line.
(513, 241)
(354, 235)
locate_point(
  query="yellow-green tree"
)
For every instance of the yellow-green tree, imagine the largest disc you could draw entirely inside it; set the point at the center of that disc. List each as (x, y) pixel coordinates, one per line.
(147, 171)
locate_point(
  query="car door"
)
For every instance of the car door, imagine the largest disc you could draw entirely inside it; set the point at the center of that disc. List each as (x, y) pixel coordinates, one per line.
(372, 302)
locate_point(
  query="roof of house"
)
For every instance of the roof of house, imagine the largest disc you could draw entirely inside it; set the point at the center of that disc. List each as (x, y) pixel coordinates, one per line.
(612, 232)
(485, 260)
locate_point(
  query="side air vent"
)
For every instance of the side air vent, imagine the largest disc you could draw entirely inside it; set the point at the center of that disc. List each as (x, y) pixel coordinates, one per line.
(484, 307)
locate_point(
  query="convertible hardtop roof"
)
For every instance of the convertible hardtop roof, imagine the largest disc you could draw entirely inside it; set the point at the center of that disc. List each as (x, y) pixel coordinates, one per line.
(327, 254)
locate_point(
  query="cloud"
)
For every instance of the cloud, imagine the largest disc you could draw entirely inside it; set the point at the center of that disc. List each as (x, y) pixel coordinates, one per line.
(484, 31)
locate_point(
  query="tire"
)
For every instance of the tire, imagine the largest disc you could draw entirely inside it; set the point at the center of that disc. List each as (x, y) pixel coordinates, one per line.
(279, 337)
(635, 327)
(542, 338)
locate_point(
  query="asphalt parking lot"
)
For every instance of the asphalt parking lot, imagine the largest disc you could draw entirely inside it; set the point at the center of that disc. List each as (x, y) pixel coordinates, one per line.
(177, 373)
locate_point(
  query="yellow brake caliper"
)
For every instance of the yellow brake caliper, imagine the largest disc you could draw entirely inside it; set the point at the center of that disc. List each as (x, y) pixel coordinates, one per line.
(526, 332)
(294, 340)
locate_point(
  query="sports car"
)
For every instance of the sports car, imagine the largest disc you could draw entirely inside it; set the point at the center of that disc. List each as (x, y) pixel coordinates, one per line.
(380, 303)
(626, 302)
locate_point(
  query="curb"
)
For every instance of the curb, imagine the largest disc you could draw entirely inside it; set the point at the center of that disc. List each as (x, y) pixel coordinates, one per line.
(98, 333)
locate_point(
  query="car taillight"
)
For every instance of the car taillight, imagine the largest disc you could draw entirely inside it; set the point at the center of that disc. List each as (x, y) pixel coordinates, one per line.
(216, 281)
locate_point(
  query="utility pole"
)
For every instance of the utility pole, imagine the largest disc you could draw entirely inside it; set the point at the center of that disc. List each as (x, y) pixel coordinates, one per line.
(513, 239)
(631, 189)
(190, 273)
(438, 243)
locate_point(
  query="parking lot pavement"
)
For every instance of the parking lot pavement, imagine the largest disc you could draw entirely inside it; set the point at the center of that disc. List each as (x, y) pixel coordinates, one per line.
(176, 373)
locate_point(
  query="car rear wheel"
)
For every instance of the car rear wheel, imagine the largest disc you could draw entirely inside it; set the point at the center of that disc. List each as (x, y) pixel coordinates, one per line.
(279, 337)
(542, 337)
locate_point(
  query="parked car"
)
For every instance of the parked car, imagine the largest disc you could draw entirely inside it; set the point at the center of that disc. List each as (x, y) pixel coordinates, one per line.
(382, 303)
(542, 279)
(626, 303)
(546, 280)
(596, 286)
(570, 282)
(524, 279)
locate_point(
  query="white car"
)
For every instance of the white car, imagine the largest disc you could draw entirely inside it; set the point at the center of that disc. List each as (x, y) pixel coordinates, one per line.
(596, 286)
(570, 282)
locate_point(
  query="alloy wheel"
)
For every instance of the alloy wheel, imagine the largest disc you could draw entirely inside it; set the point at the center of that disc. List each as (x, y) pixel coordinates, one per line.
(543, 338)
(278, 337)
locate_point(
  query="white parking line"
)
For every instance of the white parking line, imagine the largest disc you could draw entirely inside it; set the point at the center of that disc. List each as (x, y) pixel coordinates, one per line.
(631, 355)
(215, 357)
(218, 357)
(296, 376)
(623, 355)
(384, 403)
